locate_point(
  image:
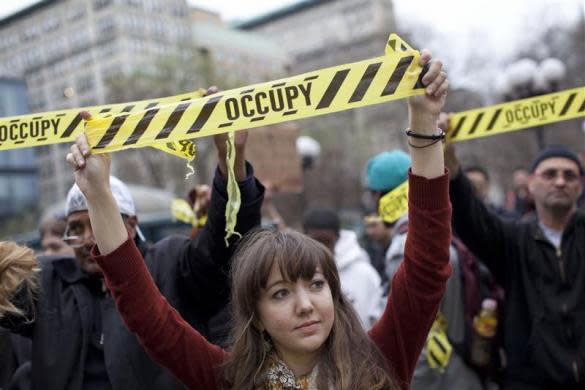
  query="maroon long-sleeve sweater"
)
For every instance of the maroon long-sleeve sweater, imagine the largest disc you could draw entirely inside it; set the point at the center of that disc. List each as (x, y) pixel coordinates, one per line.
(417, 289)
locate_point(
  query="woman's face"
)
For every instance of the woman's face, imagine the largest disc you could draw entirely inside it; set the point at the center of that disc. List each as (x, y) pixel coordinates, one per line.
(298, 315)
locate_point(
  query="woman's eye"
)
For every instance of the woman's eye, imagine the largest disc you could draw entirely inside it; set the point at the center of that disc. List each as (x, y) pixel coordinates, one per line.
(318, 284)
(280, 294)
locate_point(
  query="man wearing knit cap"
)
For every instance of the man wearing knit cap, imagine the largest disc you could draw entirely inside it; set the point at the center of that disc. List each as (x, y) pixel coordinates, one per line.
(541, 264)
(384, 172)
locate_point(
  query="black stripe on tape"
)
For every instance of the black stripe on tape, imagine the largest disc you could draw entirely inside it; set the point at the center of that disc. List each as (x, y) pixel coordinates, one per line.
(114, 127)
(440, 344)
(247, 91)
(60, 115)
(582, 107)
(568, 104)
(142, 124)
(18, 120)
(42, 139)
(258, 118)
(278, 85)
(475, 123)
(494, 119)
(311, 78)
(72, 126)
(19, 142)
(173, 120)
(205, 113)
(104, 110)
(436, 359)
(227, 124)
(333, 88)
(458, 127)
(35, 118)
(365, 82)
(291, 112)
(397, 75)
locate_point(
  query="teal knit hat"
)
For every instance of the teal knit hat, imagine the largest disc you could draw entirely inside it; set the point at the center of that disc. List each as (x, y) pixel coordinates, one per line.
(387, 170)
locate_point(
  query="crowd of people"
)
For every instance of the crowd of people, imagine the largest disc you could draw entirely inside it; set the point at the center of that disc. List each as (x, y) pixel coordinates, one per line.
(411, 304)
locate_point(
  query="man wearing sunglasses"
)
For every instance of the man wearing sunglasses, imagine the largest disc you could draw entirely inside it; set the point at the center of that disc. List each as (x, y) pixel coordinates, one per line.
(540, 261)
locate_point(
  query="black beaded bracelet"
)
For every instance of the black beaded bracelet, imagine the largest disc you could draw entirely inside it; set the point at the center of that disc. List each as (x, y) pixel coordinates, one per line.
(433, 137)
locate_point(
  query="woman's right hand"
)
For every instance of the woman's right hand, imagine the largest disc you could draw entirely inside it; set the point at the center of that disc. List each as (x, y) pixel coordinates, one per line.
(92, 171)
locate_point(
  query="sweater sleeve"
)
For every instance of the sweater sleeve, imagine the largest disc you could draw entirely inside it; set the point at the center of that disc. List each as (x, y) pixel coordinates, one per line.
(165, 335)
(204, 261)
(485, 234)
(419, 284)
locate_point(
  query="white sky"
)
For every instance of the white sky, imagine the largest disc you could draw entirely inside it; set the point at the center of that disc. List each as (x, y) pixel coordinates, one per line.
(456, 30)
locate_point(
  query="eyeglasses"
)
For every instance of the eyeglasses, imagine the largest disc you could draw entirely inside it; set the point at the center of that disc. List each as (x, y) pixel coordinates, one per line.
(551, 174)
(76, 241)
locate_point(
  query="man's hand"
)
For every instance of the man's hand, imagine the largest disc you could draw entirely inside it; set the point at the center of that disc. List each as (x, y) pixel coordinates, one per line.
(241, 137)
(92, 172)
(201, 196)
(425, 109)
(451, 160)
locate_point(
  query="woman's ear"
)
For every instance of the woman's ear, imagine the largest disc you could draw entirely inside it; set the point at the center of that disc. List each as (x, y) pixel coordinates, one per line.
(258, 325)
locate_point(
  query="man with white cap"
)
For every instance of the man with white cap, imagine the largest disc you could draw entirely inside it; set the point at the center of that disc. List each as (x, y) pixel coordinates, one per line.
(78, 222)
(79, 339)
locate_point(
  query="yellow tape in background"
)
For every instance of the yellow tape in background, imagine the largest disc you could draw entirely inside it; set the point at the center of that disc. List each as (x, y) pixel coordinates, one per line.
(494, 120)
(394, 204)
(517, 115)
(61, 126)
(378, 80)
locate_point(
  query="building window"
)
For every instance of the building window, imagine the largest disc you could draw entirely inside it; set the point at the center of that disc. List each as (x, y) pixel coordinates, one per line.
(51, 24)
(85, 83)
(106, 27)
(99, 4)
(76, 13)
(80, 40)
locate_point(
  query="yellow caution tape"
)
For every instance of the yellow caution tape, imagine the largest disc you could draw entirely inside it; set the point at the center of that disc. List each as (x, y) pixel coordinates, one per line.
(493, 120)
(234, 195)
(61, 126)
(390, 77)
(394, 204)
(517, 115)
(182, 211)
(438, 348)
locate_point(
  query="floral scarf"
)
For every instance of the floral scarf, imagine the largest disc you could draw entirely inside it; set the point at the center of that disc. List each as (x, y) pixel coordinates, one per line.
(277, 376)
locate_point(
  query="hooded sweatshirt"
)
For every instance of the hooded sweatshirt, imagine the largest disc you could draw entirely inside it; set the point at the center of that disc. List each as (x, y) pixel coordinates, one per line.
(359, 280)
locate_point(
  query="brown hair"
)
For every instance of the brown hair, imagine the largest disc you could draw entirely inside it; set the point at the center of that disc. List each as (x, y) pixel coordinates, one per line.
(18, 269)
(349, 359)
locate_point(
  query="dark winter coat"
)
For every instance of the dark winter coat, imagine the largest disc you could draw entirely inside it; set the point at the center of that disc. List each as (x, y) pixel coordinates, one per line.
(191, 274)
(544, 313)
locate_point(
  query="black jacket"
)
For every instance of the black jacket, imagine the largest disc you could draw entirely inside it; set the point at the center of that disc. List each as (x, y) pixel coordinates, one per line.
(544, 313)
(191, 274)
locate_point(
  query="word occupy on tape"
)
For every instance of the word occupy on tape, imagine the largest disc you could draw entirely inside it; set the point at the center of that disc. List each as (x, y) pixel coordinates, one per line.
(63, 126)
(517, 115)
(393, 76)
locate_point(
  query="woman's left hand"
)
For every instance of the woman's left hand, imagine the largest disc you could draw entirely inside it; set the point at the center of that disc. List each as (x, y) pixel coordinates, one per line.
(436, 85)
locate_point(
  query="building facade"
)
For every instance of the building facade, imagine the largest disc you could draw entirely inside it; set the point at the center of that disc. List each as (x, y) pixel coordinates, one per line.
(18, 168)
(67, 49)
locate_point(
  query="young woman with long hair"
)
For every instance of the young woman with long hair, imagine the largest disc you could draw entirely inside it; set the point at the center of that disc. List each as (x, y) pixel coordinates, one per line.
(292, 326)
